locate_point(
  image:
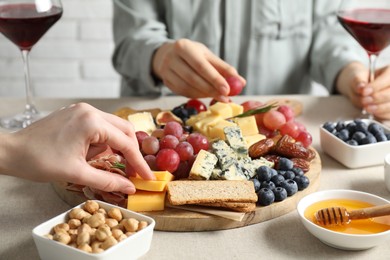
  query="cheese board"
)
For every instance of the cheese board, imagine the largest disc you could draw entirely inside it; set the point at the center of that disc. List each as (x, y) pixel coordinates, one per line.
(174, 219)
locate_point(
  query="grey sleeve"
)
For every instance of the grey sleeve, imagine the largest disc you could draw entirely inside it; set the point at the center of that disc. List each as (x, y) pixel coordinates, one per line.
(332, 46)
(138, 32)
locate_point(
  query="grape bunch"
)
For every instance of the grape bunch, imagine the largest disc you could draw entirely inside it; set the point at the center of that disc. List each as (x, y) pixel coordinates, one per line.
(171, 148)
(279, 121)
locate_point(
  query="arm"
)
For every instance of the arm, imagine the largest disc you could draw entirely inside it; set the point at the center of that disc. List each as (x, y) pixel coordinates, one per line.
(138, 32)
(56, 148)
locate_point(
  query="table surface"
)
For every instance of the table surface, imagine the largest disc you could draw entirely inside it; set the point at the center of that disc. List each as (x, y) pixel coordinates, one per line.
(25, 204)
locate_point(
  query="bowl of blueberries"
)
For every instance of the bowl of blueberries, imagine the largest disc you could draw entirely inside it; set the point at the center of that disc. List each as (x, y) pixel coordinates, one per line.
(356, 143)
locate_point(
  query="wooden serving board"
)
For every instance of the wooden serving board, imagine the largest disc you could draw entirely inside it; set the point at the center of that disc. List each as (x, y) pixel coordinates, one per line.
(172, 219)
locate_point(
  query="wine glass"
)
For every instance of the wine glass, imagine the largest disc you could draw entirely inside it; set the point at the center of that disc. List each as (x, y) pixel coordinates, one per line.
(368, 21)
(24, 22)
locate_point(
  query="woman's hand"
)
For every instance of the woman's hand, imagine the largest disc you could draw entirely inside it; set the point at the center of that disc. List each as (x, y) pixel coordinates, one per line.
(56, 148)
(374, 97)
(190, 69)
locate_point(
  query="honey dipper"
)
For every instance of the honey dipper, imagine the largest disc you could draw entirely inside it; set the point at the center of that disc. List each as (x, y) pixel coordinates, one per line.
(334, 216)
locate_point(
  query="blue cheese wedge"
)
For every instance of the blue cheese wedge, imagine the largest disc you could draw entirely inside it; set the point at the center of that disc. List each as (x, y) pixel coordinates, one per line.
(225, 154)
(236, 141)
(203, 166)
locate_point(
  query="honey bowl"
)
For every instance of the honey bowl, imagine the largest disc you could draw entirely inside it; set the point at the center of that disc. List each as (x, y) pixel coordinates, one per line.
(347, 237)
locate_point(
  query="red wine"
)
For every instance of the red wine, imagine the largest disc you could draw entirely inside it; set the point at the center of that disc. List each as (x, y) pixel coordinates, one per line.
(370, 27)
(24, 25)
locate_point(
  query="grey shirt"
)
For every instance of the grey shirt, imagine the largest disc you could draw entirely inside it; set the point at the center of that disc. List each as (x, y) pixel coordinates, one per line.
(278, 46)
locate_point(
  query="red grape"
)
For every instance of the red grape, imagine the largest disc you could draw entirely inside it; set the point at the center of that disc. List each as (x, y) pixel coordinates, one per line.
(182, 171)
(305, 138)
(287, 111)
(173, 128)
(185, 151)
(140, 135)
(197, 104)
(235, 86)
(251, 104)
(169, 141)
(290, 128)
(198, 142)
(273, 119)
(167, 160)
(150, 145)
(151, 161)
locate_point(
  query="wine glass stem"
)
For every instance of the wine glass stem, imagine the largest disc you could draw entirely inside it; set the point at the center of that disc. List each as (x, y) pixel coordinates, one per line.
(30, 109)
(372, 60)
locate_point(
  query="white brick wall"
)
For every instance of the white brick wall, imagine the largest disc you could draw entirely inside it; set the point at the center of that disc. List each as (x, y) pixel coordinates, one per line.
(74, 58)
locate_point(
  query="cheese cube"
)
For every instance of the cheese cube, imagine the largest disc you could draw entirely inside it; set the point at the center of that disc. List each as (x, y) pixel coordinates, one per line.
(252, 139)
(142, 121)
(195, 118)
(223, 110)
(203, 165)
(146, 201)
(141, 184)
(203, 124)
(216, 131)
(236, 108)
(247, 124)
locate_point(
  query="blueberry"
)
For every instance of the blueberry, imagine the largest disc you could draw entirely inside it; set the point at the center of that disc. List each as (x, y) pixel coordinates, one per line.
(361, 126)
(290, 186)
(273, 172)
(264, 173)
(268, 185)
(298, 171)
(282, 173)
(369, 139)
(352, 142)
(351, 127)
(302, 182)
(358, 136)
(380, 137)
(375, 128)
(191, 111)
(180, 111)
(284, 164)
(280, 193)
(289, 175)
(265, 197)
(330, 127)
(257, 184)
(340, 125)
(277, 179)
(343, 135)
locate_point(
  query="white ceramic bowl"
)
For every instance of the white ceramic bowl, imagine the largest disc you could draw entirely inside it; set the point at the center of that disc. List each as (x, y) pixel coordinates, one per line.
(338, 239)
(354, 156)
(132, 247)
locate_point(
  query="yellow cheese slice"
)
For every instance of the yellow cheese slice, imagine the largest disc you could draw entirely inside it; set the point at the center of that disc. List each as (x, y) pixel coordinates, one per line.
(236, 108)
(247, 124)
(163, 175)
(251, 139)
(223, 110)
(146, 201)
(141, 184)
(216, 131)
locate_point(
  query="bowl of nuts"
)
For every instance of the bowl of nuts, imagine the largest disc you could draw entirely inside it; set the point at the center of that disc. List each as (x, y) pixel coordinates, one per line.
(94, 230)
(356, 143)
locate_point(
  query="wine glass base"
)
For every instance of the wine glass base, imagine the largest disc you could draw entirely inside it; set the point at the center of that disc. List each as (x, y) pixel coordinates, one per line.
(19, 121)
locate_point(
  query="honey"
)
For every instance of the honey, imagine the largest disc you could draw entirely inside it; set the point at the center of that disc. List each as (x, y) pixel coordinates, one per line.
(361, 226)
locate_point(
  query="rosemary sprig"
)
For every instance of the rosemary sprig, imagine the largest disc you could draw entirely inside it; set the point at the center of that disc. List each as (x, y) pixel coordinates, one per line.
(256, 111)
(118, 165)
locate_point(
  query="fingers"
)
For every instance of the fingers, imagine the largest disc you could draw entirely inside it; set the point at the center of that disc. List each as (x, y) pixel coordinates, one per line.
(103, 180)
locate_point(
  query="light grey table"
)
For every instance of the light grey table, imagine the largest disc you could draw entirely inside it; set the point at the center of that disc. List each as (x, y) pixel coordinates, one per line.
(25, 204)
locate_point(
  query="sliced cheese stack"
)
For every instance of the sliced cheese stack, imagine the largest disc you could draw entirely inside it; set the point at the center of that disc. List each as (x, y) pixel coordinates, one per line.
(150, 195)
(211, 123)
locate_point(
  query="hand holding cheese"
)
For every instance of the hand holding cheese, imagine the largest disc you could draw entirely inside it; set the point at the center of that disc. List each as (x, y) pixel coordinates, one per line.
(58, 147)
